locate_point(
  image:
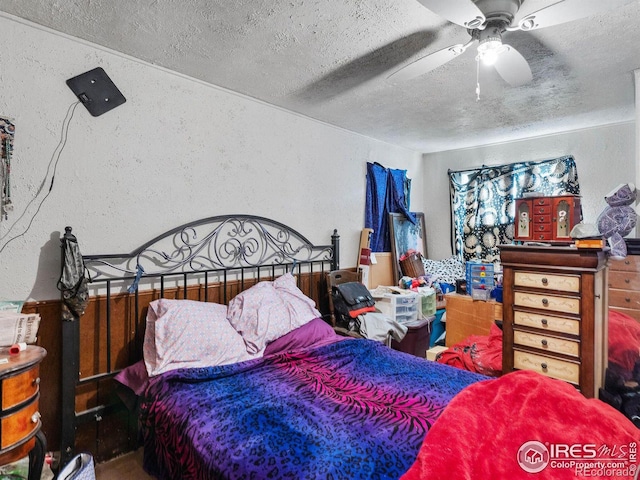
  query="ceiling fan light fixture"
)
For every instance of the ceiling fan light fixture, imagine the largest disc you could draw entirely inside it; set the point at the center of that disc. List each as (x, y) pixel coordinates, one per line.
(489, 50)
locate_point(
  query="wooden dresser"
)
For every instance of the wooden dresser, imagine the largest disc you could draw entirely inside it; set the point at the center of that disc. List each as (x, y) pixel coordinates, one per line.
(555, 313)
(624, 285)
(19, 416)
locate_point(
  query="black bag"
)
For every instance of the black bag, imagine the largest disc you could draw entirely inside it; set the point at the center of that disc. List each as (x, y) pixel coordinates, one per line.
(351, 299)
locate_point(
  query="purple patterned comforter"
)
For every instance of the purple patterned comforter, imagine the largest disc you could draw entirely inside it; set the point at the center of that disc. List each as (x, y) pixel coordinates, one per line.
(348, 410)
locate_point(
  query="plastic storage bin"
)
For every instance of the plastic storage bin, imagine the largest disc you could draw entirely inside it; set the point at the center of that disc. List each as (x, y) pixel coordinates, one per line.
(402, 307)
(480, 281)
(428, 301)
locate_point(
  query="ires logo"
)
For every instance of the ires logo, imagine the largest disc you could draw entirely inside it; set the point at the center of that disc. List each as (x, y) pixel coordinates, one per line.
(586, 459)
(558, 451)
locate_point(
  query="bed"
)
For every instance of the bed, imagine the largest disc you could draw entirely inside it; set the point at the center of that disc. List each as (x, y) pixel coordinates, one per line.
(233, 373)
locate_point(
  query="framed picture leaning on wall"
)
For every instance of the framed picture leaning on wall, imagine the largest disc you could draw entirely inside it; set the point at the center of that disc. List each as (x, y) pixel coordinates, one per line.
(406, 236)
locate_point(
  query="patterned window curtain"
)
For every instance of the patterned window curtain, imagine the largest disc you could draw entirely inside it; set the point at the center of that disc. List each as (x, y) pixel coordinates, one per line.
(388, 191)
(483, 206)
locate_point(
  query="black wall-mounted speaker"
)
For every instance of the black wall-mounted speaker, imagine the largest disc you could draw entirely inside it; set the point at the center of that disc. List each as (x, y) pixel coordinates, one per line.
(96, 91)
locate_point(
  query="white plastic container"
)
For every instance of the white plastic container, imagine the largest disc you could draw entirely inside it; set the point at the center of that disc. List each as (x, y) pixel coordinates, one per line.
(401, 307)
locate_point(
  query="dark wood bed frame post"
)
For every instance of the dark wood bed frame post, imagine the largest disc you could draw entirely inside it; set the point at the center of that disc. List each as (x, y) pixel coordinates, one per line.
(70, 358)
(335, 243)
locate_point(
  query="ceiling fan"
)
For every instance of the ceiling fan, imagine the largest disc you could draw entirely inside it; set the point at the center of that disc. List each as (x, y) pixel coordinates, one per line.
(487, 21)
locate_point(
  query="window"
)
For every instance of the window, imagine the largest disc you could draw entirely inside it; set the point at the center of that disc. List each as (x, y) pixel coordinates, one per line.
(482, 201)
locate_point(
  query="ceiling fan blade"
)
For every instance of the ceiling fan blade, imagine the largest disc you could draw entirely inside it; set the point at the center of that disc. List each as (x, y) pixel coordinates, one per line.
(426, 64)
(567, 11)
(513, 67)
(460, 12)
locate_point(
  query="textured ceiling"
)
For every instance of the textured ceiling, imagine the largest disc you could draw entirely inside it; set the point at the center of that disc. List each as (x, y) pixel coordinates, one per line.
(329, 59)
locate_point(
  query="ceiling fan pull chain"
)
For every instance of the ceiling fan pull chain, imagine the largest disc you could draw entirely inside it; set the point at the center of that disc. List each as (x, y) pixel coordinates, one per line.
(478, 78)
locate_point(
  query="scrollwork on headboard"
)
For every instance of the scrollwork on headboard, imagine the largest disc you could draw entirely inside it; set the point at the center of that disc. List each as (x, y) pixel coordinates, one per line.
(216, 243)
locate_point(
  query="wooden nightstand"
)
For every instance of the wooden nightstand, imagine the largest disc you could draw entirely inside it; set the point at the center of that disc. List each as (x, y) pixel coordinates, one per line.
(20, 424)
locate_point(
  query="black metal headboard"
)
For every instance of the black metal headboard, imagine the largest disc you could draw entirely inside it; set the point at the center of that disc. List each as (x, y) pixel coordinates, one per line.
(230, 252)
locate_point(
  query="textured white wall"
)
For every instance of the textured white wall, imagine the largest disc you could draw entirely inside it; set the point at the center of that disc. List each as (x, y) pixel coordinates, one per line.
(605, 158)
(177, 150)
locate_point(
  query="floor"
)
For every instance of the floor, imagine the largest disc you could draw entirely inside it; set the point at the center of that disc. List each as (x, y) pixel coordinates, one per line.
(127, 467)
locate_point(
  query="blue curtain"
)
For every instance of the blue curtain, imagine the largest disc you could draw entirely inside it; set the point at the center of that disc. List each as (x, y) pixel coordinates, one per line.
(388, 191)
(483, 201)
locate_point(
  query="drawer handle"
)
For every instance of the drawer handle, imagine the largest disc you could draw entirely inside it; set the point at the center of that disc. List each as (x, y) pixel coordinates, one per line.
(544, 343)
(627, 280)
(543, 366)
(545, 302)
(627, 262)
(545, 281)
(36, 382)
(544, 321)
(627, 299)
(35, 418)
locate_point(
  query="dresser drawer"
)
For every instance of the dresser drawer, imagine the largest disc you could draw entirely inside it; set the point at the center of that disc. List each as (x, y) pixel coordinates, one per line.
(624, 299)
(19, 425)
(547, 343)
(624, 280)
(630, 263)
(539, 201)
(564, 283)
(542, 228)
(539, 220)
(547, 302)
(547, 322)
(544, 209)
(19, 388)
(551, 367)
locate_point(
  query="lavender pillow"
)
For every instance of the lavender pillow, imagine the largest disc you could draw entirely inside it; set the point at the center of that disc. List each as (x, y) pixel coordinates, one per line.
(315, 333)
(300, 307)
(189, 334)
(260, 316)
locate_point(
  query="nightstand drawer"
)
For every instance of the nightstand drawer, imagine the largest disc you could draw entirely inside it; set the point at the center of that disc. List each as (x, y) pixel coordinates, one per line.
(624, 299)
(630, 263)
(547, 302)
(564, 283)
(551, 367)
(547, 343)
(19, 425)
(624, 280)
(547, 322)
(19, 388)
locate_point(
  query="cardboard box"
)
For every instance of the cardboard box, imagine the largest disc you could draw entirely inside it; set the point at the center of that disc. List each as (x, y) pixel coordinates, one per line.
(433, 351)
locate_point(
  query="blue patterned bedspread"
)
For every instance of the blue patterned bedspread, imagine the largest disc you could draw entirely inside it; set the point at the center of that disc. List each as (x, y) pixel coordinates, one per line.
(349, 410)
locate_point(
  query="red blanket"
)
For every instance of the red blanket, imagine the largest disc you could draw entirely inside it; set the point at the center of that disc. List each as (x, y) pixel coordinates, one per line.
(497, 428)
(477, 353)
